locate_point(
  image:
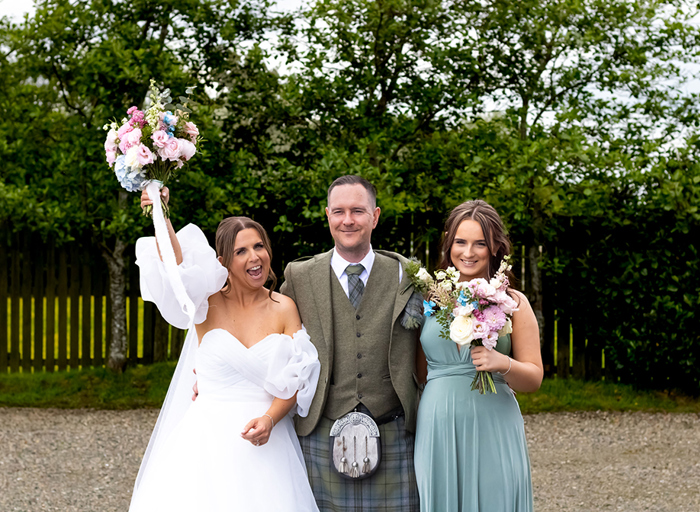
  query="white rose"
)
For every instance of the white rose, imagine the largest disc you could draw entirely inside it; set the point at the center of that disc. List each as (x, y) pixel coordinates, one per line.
(132, 158)
(507, 329)
(461, 330)
(424, 276)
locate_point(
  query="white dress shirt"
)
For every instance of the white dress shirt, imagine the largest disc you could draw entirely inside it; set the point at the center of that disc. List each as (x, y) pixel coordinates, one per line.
(339, 264)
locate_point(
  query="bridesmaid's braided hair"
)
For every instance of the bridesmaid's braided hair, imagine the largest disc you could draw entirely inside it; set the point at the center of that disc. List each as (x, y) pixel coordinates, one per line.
(226, 235)
(492, 226)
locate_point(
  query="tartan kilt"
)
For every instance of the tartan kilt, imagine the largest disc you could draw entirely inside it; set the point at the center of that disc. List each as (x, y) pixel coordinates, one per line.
(391, 489)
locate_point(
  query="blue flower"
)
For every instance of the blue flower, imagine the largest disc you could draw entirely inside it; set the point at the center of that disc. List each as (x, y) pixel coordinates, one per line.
(131, 179)
(428, 307)
(462, 299)
(475, 304)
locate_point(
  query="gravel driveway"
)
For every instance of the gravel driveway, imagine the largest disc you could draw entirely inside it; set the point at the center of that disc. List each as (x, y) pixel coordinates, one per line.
(68, 460)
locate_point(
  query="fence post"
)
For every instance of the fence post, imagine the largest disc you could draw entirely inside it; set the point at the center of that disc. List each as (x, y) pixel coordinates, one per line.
(547, 344)
(594, 359)
(86, 359)
(74, 309)
(160, 337)
(563, 338)
(14, 312)
(98, 293)
(50, 307)
(579, 346)
(38, 262)
(26, 280)
(148, 325)
(62, 309)
(3, 300)
(133, 295)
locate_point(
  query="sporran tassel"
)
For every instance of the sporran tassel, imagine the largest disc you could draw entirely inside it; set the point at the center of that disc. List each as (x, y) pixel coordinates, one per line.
(365, 466)
(343, 461)
(354, 472)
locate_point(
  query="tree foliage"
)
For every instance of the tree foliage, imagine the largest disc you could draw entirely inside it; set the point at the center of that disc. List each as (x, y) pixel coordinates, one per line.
(570, 117)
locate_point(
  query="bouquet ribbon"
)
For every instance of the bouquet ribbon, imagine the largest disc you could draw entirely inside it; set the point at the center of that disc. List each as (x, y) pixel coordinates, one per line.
(167, 251)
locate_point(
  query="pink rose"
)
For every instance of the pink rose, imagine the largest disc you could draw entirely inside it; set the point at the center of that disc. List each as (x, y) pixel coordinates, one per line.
(171, 150)
(160, 138)
(111, 155)
(111, 141)
(187, 149)
(130, 139)
(144, 155)
(507, 304)
(191, 130)
(123, 130)
(131, 110)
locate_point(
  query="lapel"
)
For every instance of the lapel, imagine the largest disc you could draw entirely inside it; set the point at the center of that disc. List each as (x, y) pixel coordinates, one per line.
(404, 293)
(320, 277)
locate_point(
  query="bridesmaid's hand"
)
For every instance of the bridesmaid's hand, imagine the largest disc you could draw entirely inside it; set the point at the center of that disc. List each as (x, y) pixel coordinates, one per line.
(146, 201)
(486, 360)
(257, 431)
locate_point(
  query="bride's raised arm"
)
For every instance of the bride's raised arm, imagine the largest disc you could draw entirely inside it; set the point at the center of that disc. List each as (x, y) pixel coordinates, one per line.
(197, 264)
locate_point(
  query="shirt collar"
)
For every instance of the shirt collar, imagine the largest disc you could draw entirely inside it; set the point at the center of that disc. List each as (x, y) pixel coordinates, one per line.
(339, 264)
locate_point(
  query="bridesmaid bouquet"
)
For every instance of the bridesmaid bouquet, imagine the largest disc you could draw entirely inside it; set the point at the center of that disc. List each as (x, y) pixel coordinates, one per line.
(151, 145)
(474, 313)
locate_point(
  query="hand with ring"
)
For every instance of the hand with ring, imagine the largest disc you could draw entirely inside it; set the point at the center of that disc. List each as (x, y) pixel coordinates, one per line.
(258, 430)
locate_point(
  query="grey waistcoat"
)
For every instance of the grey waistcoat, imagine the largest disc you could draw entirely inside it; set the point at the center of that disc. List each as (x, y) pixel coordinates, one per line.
(361, 345)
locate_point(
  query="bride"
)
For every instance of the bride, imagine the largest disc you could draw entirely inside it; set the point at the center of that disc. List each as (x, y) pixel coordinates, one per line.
(234, 448)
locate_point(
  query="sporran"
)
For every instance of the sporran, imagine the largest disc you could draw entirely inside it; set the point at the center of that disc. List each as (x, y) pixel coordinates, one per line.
(355, 446)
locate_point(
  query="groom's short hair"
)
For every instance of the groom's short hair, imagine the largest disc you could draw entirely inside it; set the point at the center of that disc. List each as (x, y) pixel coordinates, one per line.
(353, 179)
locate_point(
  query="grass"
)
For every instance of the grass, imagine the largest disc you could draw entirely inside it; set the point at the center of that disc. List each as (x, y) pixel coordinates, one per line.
(95, 388)
(558, 395)
(145, 387)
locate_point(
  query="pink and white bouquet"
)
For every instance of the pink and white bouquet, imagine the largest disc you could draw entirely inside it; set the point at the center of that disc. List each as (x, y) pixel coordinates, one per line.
(474, 313)
(151, 145)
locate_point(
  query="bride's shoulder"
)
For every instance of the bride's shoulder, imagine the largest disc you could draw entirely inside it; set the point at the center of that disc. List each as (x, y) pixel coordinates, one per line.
(286, 309)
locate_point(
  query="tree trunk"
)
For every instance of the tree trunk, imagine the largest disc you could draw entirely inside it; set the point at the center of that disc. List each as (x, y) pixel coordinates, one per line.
(117, 292)
(535, 291)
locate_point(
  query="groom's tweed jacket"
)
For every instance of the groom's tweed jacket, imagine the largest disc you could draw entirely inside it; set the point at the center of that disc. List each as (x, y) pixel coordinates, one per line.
(309, 283)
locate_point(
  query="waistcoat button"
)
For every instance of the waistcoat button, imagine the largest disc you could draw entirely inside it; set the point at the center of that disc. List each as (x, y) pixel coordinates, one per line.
(358, 334)
(357, 317)
(359, 356)
(359, 395)
(359, 375)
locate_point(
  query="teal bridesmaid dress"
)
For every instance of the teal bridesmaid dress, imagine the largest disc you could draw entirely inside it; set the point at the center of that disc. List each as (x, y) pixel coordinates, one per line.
(471, 454)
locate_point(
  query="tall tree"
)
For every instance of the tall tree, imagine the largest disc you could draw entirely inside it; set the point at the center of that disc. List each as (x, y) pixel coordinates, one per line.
(77, 64)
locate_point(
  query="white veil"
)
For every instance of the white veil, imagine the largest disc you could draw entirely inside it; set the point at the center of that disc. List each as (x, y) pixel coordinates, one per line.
(178, 398)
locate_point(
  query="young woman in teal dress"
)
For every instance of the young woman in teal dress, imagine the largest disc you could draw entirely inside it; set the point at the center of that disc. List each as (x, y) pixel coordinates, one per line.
(470, 453)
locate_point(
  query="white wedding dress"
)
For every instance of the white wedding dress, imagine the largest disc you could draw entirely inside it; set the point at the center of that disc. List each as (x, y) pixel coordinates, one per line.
(197, 460)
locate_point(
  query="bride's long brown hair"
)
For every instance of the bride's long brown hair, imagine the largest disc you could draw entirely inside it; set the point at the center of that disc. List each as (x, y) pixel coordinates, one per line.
(491, 225)
(226, 235)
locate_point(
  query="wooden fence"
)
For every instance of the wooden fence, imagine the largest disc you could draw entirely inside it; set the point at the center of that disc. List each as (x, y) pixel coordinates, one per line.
(58, 314)
(58, 311)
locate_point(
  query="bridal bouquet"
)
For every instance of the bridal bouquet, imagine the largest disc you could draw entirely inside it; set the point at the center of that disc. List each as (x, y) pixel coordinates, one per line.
(473, 313)
(151, 145)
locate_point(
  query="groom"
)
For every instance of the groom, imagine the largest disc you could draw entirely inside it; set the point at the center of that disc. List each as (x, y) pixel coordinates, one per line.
(351, 300)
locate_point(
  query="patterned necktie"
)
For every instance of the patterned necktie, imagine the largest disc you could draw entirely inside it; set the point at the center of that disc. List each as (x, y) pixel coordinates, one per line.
(355, 284)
